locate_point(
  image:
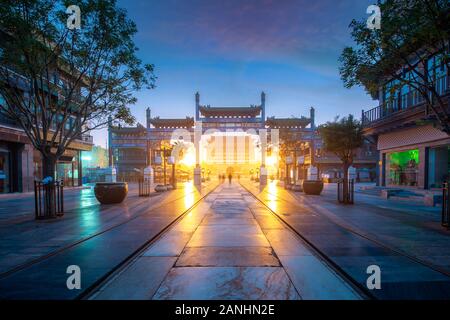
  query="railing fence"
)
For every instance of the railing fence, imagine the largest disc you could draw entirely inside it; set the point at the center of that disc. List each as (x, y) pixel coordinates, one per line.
(144, 187)
(48, 199)
(349, 197)
(446, 205)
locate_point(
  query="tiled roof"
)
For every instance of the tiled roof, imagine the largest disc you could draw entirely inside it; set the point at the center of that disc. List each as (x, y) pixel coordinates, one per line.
(287, 122)
(179, 123)
(230, 111)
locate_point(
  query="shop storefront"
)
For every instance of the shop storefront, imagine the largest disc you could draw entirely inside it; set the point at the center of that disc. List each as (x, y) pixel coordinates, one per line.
(68, 168)
(403, 168)
(4, 170)
(13, 165)
(438, 166)
(417, 158)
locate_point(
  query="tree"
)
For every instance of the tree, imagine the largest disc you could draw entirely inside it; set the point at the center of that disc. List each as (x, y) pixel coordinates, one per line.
(290, 142)
(59, 83)
(411, 32)
(342, 137)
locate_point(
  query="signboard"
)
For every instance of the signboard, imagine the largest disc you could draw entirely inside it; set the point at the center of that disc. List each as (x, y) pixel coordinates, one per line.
(288, 160)
(171, 160)
(158, 160)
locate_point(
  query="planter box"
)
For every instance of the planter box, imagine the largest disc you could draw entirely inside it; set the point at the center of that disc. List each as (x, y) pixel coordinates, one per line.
(313, 187)
(160, 188)
(110, 192)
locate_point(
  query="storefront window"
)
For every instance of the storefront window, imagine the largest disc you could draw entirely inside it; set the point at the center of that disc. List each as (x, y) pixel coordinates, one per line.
(67, 171)
(4, 171)
(404, 168)
(438, 166)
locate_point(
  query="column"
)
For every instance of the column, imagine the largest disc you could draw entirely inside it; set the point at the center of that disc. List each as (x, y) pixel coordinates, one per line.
(263, 169)
(423, 170)
(197, 169)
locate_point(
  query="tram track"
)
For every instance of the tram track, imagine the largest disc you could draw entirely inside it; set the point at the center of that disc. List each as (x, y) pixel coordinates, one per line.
(67, 247)
(379, 243)
(351, 231)
(87, 293)
(361, 290)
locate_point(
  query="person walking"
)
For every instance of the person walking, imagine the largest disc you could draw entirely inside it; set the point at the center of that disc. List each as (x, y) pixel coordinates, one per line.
(229, 178)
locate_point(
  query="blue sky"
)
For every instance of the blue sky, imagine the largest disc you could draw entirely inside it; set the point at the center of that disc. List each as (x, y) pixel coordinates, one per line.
(231, 50)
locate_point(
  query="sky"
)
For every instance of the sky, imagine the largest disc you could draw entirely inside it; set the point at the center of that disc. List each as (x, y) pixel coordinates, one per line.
(231, 50)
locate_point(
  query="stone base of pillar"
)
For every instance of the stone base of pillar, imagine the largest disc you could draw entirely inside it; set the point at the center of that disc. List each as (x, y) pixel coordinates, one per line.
(262, 176)
(149, 175)
(198, 177)
(313, 173)
(110, 174)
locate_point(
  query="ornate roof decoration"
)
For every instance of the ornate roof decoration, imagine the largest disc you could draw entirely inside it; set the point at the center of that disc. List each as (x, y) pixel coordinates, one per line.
(287, 122)
(208, 111)
(138, 129)
(157, 122)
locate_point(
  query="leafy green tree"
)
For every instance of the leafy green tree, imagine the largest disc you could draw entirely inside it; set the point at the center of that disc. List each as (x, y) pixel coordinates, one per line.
(411, 32)
(342, 137)
(59, 83)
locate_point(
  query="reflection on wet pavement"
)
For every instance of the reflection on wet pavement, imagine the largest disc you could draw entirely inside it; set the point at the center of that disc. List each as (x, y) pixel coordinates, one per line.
(231, 247)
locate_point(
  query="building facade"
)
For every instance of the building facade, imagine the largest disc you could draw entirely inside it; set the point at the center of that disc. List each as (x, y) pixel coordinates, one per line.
(412, 151)
(21, 164)
(231, 142)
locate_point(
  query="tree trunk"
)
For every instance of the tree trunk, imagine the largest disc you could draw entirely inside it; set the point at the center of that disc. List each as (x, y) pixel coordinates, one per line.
(48, 167)
(48, 170)
(345, 181)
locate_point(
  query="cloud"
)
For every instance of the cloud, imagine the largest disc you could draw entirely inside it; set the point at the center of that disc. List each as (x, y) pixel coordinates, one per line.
(303, 32)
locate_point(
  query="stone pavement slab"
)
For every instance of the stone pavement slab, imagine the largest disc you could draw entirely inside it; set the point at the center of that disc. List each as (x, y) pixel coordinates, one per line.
(96, 256)
(355, 249)
(314, 280)
(228, 236)
(230, 256)
(138, 282)
(227, 283)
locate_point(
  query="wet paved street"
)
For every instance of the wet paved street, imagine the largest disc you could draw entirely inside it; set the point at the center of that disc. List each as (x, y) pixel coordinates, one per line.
(96, 238)
(370, 233)
(229, 246)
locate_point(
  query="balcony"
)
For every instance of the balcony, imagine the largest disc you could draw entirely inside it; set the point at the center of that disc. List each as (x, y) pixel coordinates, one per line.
(87, 138)
(6, 121)
(402, 105)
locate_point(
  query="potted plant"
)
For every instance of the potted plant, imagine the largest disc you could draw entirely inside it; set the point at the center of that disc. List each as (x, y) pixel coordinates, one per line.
(161, 188)
(313, 187)
(110, 192)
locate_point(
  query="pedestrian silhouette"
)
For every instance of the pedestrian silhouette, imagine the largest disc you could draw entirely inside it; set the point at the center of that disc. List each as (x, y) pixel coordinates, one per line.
(229, 178)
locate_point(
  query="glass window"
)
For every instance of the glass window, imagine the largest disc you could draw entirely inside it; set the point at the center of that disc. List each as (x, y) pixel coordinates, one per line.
(437, 73)
(403, 168)
(4, 171)
(391, 92)
(438, 166)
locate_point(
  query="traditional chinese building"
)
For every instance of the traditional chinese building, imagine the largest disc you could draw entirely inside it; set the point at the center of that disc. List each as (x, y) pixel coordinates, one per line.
(412, 151)
(232, 140)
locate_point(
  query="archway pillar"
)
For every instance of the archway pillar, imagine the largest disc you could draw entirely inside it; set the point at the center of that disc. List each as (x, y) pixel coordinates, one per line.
(197, 169)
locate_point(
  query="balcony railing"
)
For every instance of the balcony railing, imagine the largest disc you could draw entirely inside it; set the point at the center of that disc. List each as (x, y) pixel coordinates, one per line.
(402, 102)
(7, 121)
(86, 138)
